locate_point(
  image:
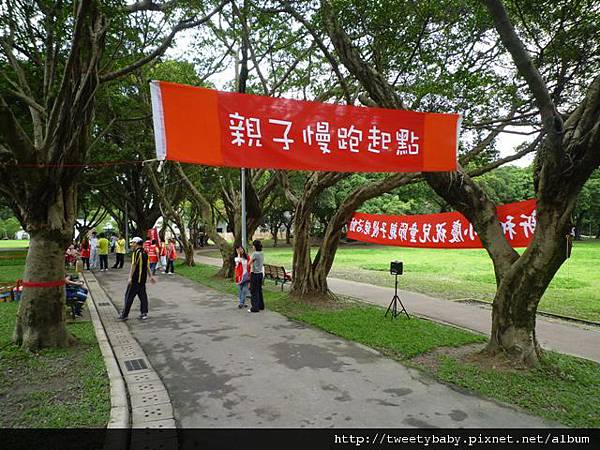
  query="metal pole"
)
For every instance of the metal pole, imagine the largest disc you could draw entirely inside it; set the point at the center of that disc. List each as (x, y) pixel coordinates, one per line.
(244, 236)
(126, 230)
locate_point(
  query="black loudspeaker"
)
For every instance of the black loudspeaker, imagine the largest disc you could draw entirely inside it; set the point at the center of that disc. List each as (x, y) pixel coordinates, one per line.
(396, 267)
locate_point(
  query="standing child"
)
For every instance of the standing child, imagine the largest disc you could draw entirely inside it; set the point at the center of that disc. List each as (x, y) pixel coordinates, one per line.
(85, 253)
(163, 256)
(256, 277)
(153, 255)
(242, 275)
(71, 256)
(171, 256)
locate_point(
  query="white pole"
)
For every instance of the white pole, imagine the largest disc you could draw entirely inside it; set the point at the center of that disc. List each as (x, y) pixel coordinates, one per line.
(244, 236)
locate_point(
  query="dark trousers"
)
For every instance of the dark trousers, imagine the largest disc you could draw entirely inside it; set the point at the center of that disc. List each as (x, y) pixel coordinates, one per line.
(119, 261)
(133, 290)
(103, 261)
(170, 266)
(256, 292)
(78, 295)
(86, 263)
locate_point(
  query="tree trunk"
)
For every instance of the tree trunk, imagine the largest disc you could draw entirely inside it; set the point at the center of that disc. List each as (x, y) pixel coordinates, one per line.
(41, 315)
(188, 250)
(522, 287)
(288, 233)
(275, 235)
(306, 283)
(598, 233)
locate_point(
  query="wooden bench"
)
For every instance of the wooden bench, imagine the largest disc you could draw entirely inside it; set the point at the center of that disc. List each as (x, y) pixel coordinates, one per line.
(6, 292)
(278, 274)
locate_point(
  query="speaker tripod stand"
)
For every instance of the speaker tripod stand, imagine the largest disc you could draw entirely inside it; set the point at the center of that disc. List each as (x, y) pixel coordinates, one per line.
(393, 308)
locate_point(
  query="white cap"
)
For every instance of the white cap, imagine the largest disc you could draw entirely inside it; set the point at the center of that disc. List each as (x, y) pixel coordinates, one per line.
(137, 240)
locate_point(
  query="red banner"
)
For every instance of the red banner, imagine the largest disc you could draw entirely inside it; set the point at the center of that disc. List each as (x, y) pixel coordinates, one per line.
(214, 128)
(445, 230)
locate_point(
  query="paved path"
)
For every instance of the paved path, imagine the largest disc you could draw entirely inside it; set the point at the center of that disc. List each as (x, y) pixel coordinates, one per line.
(224, 367)
(552, 334)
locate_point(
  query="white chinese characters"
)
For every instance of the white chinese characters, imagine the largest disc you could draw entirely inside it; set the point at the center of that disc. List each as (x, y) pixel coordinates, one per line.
(246, 131)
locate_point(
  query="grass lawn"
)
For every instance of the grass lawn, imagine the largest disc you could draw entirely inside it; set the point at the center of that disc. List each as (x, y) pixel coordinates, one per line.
(463, 274)
(55, 388)
(564, 388)
(9, 274)
(14, 243)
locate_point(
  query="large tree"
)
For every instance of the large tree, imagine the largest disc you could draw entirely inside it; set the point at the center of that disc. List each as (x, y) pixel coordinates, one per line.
(426, 89)
(54, 57)
(562, 82)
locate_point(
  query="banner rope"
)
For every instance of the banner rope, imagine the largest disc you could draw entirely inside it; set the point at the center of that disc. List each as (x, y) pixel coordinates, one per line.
(72, 165)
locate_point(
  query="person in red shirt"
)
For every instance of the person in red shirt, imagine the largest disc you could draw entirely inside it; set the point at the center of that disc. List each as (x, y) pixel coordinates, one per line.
(147, 244)
(153, 256)
(171, 256)
(242, 275)
(85, 253)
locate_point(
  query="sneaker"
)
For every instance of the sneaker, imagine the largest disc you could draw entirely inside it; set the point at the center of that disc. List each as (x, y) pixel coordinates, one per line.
(121, 319)
(250, 311)
(143, 316)
(241, 306)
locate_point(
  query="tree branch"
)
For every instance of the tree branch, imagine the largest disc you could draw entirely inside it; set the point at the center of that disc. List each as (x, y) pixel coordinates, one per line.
(149, 5)
(287, 190)
(379, 89)
(183, 25)
(334, 65)
(499, 162)
(551, 119)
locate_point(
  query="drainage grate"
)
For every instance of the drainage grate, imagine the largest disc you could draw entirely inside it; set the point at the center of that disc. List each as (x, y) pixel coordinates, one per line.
(135, 364)
(103, 304)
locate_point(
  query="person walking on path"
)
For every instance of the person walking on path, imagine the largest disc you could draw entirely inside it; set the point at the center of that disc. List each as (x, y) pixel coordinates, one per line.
(163, 255)
(103, 246)
(94, 251)
(113, 243)
(256, 277)
(136, 285)
(242, 274)
(119, 253)
(85, 253)
(153, 256)
(171, 256)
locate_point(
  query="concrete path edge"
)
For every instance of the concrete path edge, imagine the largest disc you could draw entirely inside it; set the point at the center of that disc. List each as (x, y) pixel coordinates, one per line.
(145, 404)
(119, 411)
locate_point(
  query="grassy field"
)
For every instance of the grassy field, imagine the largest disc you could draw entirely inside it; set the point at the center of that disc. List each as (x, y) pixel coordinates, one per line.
(55, 388)
(564, 389)
(11, 265)
(14, 243)
(464, 274)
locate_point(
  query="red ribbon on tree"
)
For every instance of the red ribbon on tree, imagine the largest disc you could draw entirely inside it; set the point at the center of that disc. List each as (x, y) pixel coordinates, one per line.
(43, 284)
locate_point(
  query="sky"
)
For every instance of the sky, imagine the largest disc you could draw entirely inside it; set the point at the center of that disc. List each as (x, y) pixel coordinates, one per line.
(507, 142)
